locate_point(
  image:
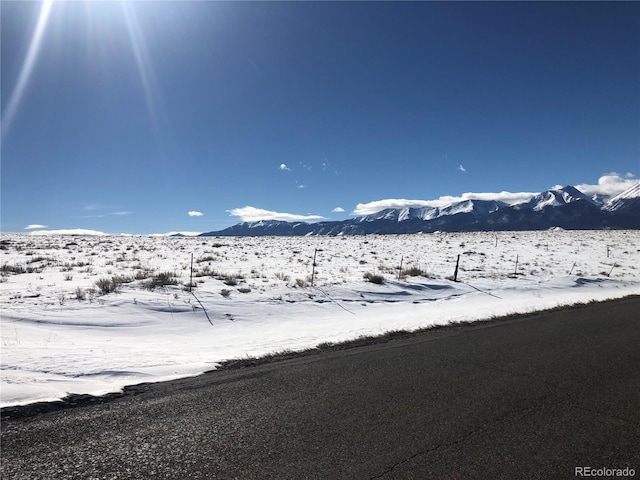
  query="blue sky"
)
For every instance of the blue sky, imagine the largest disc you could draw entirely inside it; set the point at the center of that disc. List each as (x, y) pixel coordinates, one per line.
(150, 117)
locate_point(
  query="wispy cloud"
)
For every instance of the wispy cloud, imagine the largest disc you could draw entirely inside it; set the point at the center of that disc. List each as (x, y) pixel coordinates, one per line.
(283, 166)
(461, 168)
(252, 214)
(338, 210)
(327, 167)
(92, 207)
(194, 213)
(34, 226)
(96, 210)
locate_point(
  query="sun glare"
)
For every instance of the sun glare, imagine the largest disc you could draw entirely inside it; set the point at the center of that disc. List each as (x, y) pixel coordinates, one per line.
(125, 14)
(27, 66)
(139, 48)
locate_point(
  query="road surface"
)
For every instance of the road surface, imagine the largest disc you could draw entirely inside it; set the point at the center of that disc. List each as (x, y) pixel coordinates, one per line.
(531, 397)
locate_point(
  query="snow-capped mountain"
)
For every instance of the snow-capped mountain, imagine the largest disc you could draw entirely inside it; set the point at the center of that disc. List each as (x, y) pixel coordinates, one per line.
(401, 214)
(476, 208)
(565, 207)
(626, 201)
(555, 198)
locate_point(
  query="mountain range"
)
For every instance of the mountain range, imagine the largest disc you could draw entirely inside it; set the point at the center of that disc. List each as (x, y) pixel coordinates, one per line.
(565, 207)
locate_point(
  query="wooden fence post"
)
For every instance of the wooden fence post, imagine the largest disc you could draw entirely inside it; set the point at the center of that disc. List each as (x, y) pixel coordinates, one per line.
(455, 274)
(313, 266)
(191, 274)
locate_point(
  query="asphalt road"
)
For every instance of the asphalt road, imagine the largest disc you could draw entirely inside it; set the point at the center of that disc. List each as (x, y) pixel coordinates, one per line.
(531, 397)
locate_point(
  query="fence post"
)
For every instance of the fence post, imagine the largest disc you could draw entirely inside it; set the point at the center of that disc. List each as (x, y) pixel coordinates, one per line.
(191, 274)
(455, 274)
(313, 266)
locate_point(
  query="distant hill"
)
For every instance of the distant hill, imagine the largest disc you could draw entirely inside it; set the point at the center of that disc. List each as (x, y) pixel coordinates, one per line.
(565, 207)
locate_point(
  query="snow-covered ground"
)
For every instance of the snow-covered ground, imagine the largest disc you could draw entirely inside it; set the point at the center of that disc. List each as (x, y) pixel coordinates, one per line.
(62, 333)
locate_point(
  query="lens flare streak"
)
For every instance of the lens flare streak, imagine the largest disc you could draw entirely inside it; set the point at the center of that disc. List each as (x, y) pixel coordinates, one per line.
(142, 60)
(27, 67)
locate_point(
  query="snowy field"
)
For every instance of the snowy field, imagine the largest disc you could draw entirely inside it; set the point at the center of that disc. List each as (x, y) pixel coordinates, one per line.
(91, 314)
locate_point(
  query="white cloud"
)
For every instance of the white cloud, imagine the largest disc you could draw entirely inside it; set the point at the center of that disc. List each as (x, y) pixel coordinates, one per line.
(378, 205)
(461, 168)
(92, 207)
(610, 184)
(338, 210)
(301, 186)
(101, 211)
(34, 226)
(252, 214)
(69, 231)
(195, 213)
(283, 166)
